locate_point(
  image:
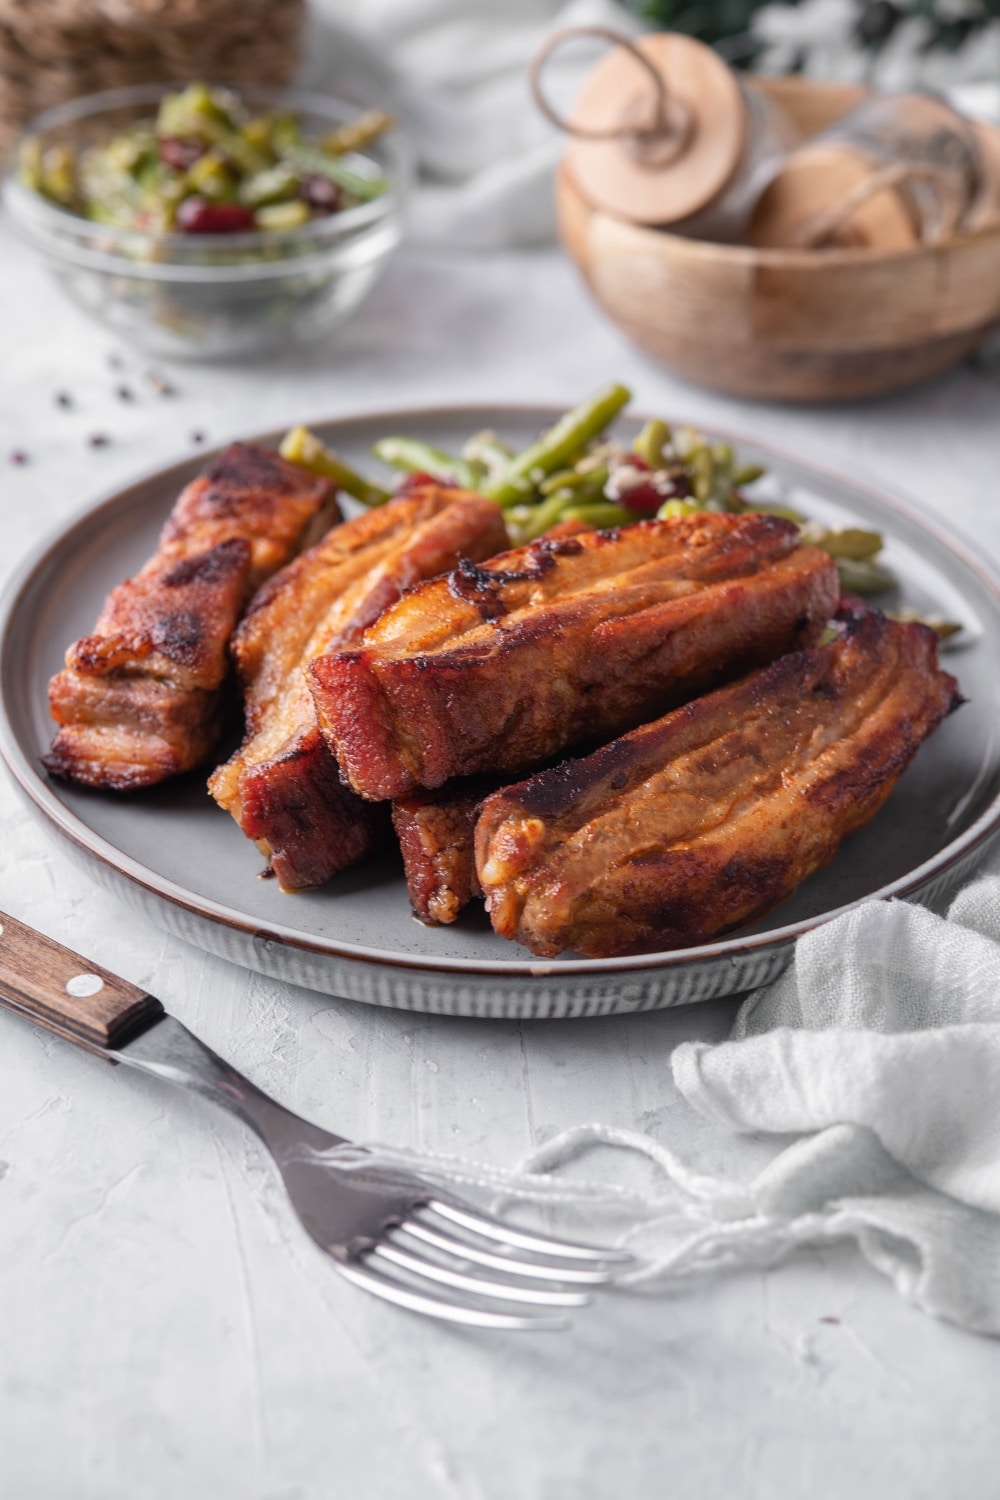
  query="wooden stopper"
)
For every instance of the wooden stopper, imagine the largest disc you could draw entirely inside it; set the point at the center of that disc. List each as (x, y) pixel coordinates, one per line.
(897, 171)
(649, 175)
(985, 210)
(800, 207)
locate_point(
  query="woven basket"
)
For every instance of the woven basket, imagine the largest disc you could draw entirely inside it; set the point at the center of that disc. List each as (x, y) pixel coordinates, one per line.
(53, 50)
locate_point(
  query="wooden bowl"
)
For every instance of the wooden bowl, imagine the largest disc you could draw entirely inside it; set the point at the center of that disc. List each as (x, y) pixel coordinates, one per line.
(790, 325)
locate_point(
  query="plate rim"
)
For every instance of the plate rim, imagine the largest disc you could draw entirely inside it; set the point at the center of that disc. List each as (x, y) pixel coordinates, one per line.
(68, 825)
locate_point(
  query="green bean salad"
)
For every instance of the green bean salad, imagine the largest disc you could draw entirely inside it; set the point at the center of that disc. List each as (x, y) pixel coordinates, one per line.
(577, 471)
(205, 166)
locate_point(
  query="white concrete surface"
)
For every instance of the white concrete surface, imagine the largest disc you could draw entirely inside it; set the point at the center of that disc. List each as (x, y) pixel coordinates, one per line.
(166, 1330)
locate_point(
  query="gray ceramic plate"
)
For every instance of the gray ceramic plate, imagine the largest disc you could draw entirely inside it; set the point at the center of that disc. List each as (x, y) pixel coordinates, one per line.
(174, 855)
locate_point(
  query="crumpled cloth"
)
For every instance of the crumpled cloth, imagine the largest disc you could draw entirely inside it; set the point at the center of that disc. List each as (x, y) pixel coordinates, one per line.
(879, 1053)
(454, 72)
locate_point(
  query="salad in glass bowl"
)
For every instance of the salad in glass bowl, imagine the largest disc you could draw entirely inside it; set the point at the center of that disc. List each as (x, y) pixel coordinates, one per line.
(207, 223)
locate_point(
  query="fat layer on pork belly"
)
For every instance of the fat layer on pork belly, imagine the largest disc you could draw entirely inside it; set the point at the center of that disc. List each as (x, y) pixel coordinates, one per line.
(498, 667)
(283, 785)
(141, 698)
(705, 819)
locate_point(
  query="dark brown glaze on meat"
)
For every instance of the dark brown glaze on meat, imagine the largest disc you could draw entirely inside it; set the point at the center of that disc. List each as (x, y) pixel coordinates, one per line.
(283, 786)
(277, 507)
(141, 698)
(704, 820)
(436, 832)
(500, 666)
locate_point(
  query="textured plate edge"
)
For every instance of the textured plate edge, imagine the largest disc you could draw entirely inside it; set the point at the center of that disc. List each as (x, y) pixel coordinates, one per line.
(947, 868)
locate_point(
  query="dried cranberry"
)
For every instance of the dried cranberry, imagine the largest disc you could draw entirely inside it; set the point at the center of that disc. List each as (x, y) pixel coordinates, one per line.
(322, 194)
(641, 499)
(199, 216)
(642, 496)
(179, 152)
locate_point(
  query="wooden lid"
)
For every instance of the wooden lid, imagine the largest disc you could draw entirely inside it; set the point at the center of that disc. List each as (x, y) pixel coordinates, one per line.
(669, 151)
(819, 199)
(985, 211)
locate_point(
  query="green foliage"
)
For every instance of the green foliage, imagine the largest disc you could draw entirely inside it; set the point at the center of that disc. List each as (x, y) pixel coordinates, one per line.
(726, 24)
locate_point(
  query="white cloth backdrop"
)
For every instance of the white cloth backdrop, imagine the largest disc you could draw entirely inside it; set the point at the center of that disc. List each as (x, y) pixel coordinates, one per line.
(455, 73)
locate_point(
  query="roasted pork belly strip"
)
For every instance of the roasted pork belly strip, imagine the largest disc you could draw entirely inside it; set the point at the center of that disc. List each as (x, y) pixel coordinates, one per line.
(499, 667)
(283, 786)
(436, 832)
(141, 698)
(706, 819)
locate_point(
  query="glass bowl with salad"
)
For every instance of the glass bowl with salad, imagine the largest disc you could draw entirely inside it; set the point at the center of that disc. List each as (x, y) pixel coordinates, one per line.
(207, 222)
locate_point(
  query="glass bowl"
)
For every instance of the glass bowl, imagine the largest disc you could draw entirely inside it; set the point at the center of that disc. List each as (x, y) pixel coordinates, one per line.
(211, 296)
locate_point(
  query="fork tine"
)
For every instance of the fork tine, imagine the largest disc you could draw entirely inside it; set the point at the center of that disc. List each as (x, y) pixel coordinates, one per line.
(581, 1275)
(436, 1307)
(479, 1286)
(492, 1229)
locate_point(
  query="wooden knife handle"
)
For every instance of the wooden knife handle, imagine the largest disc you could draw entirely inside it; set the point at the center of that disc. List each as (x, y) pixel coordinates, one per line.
(68, 994)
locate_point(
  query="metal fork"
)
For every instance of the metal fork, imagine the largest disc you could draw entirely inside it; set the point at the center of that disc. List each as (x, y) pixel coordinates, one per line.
(389, 1232)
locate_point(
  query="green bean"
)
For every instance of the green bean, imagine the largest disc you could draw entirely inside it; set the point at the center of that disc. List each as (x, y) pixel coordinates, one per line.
(852, 543)
(603, 515)
(547, 514)
(562, 479)
(197, 112)
(361, 186)
(29, 164)
(284, 132)
(59, 175)
(486, 448)
(556, 448)
(747, 474)
(257, 134)
(651, 441)
(415, 457)
(282, 215)
(701, 465)
(587, 484)
(184, 112)
(865, 577)
(784, 512)
(270, 186)
(942, 628)
(302, 447)
(672, 508)
(238, 150)
(686, 441)
(357, 134)
(210, 176)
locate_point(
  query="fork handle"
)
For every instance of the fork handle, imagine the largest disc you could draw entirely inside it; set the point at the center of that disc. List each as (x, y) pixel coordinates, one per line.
(68, 994)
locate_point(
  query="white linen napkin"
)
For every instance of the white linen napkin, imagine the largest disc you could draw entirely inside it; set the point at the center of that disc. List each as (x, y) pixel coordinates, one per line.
(879, 1050)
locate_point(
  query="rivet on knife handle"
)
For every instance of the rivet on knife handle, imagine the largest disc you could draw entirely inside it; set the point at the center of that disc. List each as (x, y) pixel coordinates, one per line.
(67, 993)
